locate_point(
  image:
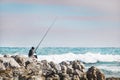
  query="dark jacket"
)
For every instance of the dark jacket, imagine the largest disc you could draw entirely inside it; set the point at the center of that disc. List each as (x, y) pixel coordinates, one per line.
(31, 52)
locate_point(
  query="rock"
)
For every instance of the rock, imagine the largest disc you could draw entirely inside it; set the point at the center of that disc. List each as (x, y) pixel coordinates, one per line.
(7, 78)
(64, 76)
(112, 78)
(79, 73)
(70, 70)
(78, 65)
(94, 73)
(1, 60)
(28, 77)
(23, 71)
(1, 78)
(45, 65)
(63, 69)
(84, 77)
(64, 63)
(33, 68)
(49, 78)
(6, 74)
(20, 60)
(53, 65)
(27, 63)
(56, 77)
(10, 62)
(23, 68)
(49, 72)
(23, 77)
(75, 77)
(2, 67)
(16, 72)
(6, 56)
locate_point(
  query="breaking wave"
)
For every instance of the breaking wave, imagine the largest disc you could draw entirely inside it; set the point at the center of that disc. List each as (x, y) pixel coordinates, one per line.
(86, 58)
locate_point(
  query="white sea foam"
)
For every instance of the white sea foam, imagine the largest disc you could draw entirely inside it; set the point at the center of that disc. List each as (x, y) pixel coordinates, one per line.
(87, 57)
(110, 68)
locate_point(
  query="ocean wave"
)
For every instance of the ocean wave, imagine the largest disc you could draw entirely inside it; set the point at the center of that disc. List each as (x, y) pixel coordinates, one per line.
(86, 58)
(108, 63)
(113, 69)
(110, 70)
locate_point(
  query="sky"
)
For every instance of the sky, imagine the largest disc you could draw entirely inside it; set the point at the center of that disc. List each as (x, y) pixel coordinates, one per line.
(79, 23)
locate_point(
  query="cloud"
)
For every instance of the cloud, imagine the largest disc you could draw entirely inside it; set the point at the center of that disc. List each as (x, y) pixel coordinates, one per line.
(93, 18)
(108, 6)
(80, 22)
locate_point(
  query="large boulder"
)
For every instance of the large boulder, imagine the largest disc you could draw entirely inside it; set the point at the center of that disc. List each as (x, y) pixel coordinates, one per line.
(79, 73)
(33, 68)
(63, 69)
(64, 63)
(6, 74)
(8, 68)
(9, 62)
(64, 76)
(56, 77)
(70, 70)
(20, 59)
(75, 77)
(45, 65)
(2, 67)
(78, 65)
(94, 73)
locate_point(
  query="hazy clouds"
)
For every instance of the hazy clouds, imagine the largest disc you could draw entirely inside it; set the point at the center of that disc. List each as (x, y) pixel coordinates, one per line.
(80, 23)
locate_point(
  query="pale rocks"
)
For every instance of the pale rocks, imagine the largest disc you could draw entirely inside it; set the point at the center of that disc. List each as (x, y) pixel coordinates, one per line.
(94, 73)
(24, 68)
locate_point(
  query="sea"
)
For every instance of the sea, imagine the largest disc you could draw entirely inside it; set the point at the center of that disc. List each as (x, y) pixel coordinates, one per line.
(106, 59)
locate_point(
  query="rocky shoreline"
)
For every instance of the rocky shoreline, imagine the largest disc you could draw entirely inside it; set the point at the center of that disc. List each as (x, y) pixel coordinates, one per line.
(23, 68)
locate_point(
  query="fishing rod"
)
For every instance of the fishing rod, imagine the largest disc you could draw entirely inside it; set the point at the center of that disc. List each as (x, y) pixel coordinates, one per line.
(45, 34)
